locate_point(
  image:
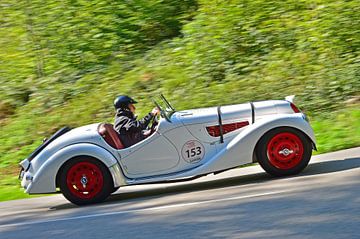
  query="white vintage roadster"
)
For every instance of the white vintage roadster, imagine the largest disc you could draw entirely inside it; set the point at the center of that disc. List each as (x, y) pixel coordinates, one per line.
(88, 163)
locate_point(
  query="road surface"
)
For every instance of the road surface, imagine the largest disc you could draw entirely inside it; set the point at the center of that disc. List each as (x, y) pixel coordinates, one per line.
(321, 202)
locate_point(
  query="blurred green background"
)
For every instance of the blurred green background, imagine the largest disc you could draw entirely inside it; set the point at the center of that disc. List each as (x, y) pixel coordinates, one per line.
(63, 62)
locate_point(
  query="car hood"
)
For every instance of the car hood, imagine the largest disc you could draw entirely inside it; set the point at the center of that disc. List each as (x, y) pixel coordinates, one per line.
(230, 113)
(210, 115)
(194, 116)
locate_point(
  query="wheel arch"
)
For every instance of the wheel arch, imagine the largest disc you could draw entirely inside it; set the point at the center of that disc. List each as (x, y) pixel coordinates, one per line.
(45, 179)
(307, 136)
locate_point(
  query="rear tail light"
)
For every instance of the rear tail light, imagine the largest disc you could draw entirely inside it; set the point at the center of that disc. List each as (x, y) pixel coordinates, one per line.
(294, 108)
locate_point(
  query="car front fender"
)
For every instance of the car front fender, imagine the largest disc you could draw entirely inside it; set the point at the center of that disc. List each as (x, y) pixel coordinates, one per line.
(44, 179)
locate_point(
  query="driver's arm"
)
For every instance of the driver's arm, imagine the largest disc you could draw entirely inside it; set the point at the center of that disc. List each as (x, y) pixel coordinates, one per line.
(133, 125)
(138, 125)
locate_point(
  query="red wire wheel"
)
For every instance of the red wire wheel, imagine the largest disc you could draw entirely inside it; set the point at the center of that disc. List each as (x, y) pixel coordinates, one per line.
(85, 180)
(283, 151)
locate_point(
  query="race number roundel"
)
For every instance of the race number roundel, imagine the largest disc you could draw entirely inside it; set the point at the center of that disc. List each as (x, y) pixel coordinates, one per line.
(193, 151)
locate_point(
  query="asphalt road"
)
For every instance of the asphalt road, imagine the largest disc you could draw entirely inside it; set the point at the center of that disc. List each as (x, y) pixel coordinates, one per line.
(321, 202)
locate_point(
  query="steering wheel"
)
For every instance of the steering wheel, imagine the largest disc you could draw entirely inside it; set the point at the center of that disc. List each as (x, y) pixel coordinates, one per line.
(150, 130)
(154, 123)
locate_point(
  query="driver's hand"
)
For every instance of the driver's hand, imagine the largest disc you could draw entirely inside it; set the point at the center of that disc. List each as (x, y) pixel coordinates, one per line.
(155, 111)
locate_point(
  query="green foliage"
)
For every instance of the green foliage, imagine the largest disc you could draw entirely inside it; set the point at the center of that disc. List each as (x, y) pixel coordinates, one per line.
(9, 189)
(338, 130)
(62, 62)
(53, 44)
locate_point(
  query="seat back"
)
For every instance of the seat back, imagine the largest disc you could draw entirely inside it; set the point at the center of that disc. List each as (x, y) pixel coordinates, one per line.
(110, 135)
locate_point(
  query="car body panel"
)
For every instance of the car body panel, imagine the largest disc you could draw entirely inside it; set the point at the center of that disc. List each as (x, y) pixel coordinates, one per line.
(180, 148)
(44, 177)
(237, 150)
(140, 164)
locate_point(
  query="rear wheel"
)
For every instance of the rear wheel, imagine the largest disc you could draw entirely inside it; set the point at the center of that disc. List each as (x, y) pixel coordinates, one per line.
(85, 181)
(284, 151)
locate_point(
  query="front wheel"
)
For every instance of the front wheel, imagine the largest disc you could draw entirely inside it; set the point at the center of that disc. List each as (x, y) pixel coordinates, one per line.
(85, 181)
(283, 151)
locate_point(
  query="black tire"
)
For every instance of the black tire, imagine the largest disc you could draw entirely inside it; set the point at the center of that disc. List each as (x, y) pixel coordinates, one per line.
(97, 176)
(283, 151)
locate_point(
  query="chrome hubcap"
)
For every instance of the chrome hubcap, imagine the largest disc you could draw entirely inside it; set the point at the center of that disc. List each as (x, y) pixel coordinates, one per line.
(84, 181)
(286, 152)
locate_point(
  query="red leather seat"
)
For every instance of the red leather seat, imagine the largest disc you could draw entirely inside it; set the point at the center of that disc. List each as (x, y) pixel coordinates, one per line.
(110, 135)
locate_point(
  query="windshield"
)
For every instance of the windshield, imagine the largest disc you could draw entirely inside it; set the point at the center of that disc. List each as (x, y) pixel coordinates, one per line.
(167, 110)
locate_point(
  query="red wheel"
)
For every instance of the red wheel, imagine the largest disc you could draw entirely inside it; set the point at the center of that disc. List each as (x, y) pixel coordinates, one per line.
(283, 151)
(85, 180)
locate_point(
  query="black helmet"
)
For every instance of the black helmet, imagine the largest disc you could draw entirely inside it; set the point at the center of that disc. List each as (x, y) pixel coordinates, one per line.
(122, 101)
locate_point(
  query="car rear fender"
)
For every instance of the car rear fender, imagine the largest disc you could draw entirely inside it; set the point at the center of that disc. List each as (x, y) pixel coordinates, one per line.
(240, 149)
(44, 179)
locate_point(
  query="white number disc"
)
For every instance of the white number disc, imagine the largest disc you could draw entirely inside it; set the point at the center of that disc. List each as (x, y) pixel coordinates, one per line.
(193, 151)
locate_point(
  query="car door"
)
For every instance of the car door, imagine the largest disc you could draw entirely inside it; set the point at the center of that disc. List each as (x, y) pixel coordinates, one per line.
(153, 156)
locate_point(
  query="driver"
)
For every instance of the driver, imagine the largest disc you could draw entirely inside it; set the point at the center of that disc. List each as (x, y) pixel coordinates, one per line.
(129, 129)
